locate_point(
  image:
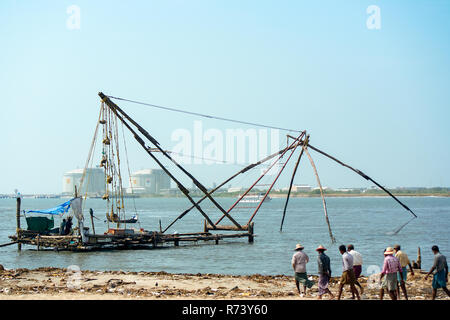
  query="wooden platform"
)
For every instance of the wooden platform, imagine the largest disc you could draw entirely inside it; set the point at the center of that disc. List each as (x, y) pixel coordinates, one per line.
(137, 240)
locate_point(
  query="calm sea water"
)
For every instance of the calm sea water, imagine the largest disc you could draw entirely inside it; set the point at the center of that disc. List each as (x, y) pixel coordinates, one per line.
(366, 222)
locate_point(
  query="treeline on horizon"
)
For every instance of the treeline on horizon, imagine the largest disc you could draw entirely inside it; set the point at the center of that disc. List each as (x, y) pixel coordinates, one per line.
(418, 191)
(409, 191)
(438, 191)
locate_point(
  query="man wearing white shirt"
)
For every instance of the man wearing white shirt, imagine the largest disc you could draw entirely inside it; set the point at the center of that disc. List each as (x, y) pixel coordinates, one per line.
(348, 275)
(299, 261)
(357, 264)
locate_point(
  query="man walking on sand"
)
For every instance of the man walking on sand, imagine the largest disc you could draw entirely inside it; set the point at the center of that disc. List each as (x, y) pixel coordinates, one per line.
(440, 278)
(404, 262)
(299, 261)
(357, 265)
(348, 275)
(391, 267)
(324, 270)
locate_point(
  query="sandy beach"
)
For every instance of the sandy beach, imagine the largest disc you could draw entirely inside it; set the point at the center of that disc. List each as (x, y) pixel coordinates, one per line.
(63, 284)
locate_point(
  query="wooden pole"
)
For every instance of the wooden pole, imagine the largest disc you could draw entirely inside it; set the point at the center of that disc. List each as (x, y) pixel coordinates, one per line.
(154, 241)
(250, 231)
(7, 244)
(229, 228)
(333, 240)
(19, 245)
(362, 174)
(292, 181)
(419, 259)
(176, 241)
(91, 212)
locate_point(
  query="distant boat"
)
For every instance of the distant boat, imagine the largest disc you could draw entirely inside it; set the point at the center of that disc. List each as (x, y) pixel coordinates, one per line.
(115, 219)
(254, 198)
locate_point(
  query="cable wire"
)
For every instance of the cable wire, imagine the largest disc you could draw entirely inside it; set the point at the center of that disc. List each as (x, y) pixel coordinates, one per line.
(204, 115)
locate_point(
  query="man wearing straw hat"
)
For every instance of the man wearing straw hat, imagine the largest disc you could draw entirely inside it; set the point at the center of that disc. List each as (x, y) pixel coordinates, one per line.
(391, 267)
(324, 269)
(299, 261)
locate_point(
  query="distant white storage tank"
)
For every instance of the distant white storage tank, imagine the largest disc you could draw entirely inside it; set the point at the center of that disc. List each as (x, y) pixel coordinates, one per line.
(94, 181)
(149, 181)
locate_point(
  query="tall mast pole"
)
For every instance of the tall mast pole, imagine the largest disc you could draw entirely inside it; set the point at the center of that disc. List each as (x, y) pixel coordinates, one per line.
(292, 182)
(19, 245)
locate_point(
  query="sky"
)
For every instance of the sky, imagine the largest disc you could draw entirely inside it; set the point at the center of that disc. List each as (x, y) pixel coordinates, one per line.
(375, 98)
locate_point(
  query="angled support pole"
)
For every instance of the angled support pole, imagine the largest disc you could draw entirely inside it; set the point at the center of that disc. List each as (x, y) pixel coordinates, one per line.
(293, 146)
(333, 240)
(251, 166)
(117, 109)
(362, 174)
(292, 181)
(273, 183)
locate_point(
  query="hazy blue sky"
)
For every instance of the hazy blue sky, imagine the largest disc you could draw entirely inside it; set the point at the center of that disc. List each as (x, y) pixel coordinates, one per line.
(376, 99)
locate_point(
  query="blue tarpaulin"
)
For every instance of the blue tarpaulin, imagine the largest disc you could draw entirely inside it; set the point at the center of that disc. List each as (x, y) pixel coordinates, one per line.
(61, 209)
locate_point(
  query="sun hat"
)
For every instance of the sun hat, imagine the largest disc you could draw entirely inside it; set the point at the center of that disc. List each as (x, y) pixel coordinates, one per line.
(321, 247)
(298, 246)
(389, 250)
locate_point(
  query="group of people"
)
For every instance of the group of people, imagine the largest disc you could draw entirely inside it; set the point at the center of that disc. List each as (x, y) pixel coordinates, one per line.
(66, 226)
(392, 278)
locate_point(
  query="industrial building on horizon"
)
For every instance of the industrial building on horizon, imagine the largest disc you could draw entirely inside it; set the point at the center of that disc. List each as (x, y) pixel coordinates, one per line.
(143, 182)
(94, 182)
(149, 181)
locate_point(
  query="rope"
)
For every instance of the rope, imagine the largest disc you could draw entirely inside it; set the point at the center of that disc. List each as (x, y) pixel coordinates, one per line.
(182, 155)
(204, 115)
(105, 157)
(88, 174)
(90, 150)
(116, 138)
(402, 226)
(129, 175)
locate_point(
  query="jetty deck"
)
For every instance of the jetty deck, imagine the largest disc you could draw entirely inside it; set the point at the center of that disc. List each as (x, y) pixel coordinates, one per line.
(131, 240)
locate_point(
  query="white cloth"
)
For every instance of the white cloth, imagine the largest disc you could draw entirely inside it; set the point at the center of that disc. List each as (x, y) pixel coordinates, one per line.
(299, 261)
(357, 258)
(77, 208)
(83, 233)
